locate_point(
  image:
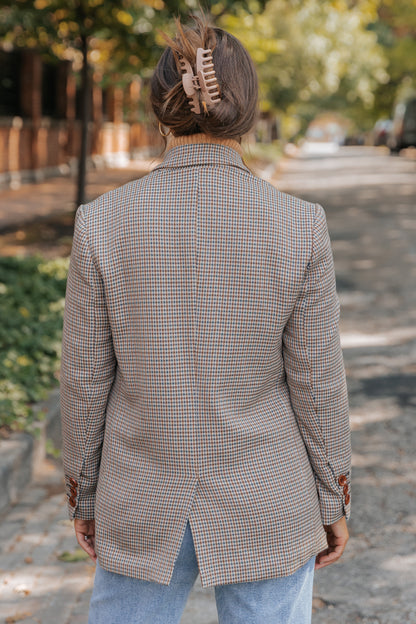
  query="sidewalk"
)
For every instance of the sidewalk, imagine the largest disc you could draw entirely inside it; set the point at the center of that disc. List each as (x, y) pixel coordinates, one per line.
(36, 587)
(44, 577)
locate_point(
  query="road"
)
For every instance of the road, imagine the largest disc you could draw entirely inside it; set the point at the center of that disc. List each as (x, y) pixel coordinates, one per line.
(369, 198)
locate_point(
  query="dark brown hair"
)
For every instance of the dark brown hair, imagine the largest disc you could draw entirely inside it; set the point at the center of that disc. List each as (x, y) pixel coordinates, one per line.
(235, 114)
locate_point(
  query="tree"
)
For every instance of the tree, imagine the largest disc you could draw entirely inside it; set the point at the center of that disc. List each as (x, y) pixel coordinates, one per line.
(115, 36)
(313, 54)
(396, 32)
(65, 29)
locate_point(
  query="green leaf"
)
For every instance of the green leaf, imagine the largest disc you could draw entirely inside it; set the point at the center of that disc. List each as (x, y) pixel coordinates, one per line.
(73, 557)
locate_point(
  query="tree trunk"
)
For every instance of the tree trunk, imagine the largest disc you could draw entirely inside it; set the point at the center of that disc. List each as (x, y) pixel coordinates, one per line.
(85, 118)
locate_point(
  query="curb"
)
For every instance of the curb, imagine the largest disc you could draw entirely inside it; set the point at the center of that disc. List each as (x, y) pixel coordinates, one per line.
(21, 454)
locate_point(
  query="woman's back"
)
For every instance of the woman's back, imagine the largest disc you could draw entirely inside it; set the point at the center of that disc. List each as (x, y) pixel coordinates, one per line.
(202, 378)
(201, 265)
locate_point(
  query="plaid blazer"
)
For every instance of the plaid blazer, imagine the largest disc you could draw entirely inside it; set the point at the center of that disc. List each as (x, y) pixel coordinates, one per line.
(202, 376)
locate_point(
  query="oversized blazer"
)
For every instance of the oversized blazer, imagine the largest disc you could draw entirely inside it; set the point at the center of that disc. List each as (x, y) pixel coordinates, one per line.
(202, 377)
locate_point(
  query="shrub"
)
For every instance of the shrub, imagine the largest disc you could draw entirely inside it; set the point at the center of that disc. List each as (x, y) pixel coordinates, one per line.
(32, 292)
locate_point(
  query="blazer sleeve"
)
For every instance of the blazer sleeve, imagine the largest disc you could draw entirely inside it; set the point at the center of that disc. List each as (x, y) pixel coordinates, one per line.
(87, 374)
(316, 377)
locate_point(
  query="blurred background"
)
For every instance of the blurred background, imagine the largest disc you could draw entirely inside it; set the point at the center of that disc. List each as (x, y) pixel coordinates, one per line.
(74, 75)
(337, 125)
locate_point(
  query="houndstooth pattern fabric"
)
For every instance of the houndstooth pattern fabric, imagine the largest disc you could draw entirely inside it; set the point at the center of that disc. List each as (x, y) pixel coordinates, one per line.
(202, 376)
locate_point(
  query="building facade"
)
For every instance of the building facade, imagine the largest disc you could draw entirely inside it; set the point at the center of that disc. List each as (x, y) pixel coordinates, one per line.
(40, 127)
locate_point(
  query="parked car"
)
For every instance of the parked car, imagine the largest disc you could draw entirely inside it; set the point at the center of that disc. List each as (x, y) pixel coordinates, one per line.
(381, 131)
(403, 133)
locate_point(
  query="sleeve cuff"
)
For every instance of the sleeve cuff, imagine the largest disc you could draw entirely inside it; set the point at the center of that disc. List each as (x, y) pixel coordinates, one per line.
(335, 502)
(80, 505)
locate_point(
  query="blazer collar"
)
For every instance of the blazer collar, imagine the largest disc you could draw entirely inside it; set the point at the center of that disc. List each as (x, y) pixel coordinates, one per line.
(202, 149)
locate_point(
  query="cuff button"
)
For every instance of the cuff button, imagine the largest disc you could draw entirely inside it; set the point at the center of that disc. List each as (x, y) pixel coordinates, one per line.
(347, 499)
(342, 480)
(72, 501)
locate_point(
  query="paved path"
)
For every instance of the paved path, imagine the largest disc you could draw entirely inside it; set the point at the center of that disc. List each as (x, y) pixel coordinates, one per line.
(369, 198)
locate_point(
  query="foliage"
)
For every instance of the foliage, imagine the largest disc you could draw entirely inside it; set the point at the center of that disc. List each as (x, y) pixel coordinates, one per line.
(396, 32)
(123, 36)
(57, 27)
(32, 302)
(313, 54)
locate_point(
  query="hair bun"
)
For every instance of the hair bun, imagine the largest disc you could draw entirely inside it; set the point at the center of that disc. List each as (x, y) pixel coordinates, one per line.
(205, 81)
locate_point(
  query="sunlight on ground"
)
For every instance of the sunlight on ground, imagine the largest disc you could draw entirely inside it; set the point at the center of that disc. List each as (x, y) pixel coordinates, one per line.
(378, 410)
(392, 337)
(401, 563)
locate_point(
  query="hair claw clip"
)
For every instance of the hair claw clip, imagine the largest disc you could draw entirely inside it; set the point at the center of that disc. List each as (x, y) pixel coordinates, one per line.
(210, 90)
(190, 84)
(205, 81)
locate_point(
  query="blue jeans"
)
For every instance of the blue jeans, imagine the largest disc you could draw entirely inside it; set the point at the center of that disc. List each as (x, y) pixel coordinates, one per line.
(117, 598)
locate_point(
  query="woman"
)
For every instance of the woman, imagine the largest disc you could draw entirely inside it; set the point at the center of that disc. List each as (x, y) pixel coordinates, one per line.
(204, 403)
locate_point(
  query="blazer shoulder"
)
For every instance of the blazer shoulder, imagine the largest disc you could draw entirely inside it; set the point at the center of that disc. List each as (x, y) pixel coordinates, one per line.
(293, 210)
(112, 204)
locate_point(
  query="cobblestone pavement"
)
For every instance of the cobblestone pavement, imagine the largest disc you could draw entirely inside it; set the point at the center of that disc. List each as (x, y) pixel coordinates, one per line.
(369, 199)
